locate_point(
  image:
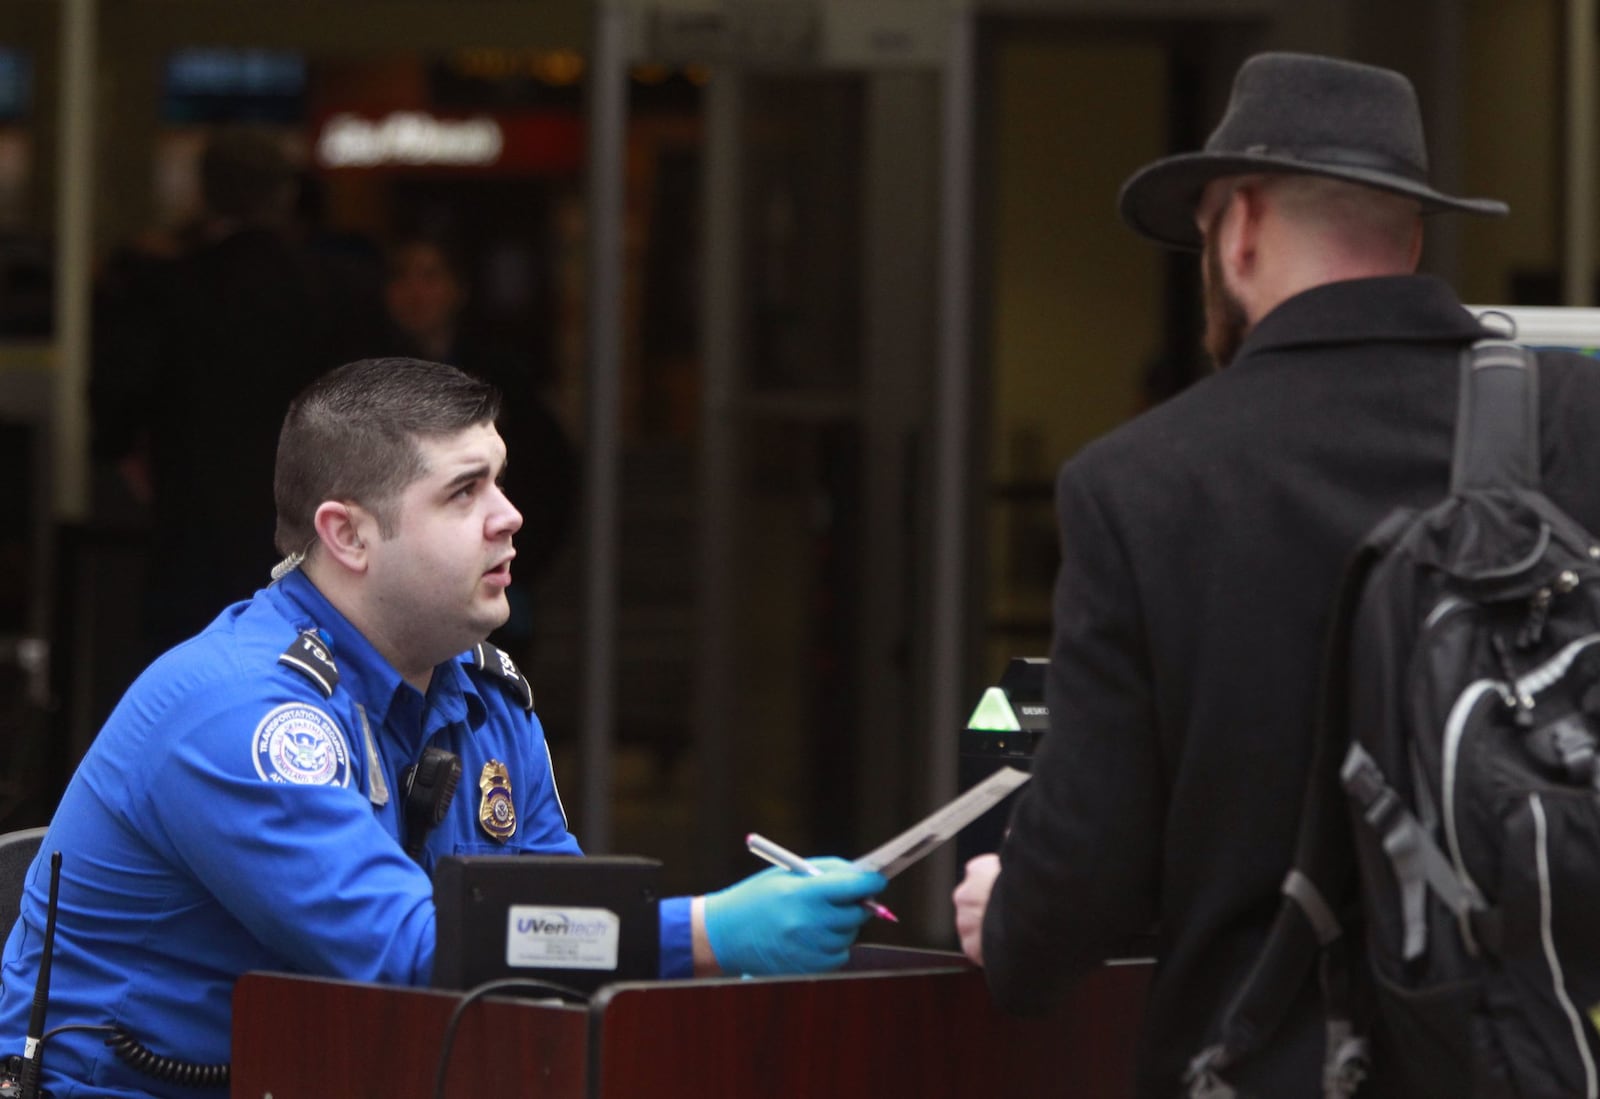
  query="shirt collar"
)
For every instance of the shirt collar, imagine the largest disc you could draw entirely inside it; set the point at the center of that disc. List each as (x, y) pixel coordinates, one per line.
(452, 694)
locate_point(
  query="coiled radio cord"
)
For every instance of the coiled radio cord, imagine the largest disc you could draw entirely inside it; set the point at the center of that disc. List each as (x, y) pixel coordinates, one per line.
(170, 1069)
(135, 1055)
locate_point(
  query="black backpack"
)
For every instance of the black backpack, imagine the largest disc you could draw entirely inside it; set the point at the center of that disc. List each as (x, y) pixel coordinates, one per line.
(1446, 884)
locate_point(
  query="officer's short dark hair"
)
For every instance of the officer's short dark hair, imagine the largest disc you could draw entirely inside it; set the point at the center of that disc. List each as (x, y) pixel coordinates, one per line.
(352, 436)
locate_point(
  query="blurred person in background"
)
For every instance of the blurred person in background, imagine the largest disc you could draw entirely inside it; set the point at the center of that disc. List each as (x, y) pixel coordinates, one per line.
(195, 361)
(427, 298)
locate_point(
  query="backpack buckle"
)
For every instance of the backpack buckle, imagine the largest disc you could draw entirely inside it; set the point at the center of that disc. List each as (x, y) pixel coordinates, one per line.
(1202, 1078)
(1347, 1062)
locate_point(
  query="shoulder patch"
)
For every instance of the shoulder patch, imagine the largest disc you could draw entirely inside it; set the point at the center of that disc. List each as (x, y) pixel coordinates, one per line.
(311, 658)
(298, 745)
(495, 663)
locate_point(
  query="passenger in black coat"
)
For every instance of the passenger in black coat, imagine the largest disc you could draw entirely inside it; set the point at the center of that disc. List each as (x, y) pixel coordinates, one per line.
(1201, 545)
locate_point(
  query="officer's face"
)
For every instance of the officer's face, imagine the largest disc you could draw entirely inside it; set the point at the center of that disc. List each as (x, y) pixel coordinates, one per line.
(439, 582)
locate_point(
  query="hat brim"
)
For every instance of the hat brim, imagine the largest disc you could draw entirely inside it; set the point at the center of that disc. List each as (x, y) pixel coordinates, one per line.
(1158, 201)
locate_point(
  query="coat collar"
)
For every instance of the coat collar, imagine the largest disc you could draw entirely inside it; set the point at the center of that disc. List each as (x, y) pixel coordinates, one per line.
(1391, 308)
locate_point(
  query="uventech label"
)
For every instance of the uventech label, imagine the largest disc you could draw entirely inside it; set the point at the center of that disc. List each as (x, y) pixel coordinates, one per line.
(538, 937)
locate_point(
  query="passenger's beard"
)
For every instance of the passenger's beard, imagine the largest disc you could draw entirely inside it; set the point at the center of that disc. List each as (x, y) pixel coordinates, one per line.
(1226, 322)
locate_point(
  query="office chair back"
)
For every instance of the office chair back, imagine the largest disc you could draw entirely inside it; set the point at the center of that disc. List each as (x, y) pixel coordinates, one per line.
(16, 855)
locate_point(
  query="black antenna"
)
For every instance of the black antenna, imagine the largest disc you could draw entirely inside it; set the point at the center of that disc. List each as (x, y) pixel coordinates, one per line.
(31, 1051)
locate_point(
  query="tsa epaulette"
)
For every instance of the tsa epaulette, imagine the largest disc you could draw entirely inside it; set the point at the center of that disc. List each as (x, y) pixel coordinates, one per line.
(310, 657)
(486, 658)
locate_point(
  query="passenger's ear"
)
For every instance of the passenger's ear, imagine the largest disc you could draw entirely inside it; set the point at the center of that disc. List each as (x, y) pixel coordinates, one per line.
(1241, 233)
(342, 529)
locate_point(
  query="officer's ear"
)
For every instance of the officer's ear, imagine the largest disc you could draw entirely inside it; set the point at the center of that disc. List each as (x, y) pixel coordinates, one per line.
(343, 530)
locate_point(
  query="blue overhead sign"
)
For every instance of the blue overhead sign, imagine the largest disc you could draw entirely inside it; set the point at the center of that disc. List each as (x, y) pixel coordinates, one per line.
(16, 85)
(230, 85)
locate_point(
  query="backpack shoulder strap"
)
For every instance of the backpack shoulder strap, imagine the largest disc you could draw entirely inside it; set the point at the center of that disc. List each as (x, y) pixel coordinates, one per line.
(1497, 418)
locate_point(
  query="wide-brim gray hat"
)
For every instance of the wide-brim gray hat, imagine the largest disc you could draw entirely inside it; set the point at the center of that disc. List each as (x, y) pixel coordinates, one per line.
(1302, 114)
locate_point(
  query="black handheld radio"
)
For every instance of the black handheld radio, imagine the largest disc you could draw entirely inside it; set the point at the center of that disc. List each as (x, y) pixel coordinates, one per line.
(430, 786)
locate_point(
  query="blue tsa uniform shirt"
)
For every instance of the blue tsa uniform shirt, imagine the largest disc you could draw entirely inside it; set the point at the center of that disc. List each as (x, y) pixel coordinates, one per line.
(242, 809)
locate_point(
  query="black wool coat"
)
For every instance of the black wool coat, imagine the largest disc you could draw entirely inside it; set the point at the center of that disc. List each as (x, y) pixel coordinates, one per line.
(1201, 547)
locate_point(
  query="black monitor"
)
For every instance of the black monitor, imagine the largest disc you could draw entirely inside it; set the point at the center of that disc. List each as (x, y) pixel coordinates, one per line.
(574, 921)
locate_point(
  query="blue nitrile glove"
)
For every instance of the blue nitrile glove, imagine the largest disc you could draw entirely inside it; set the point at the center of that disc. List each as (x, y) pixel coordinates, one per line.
(780, 921)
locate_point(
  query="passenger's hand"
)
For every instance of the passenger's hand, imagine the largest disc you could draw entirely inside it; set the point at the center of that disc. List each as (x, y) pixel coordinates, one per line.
(971, 900)
(779, 921)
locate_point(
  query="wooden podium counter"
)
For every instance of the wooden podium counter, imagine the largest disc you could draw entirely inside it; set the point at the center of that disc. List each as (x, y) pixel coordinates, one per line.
(896, 1023)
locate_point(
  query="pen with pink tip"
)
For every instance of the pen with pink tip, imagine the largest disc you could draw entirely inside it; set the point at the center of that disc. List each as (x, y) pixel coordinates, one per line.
(764, 848)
